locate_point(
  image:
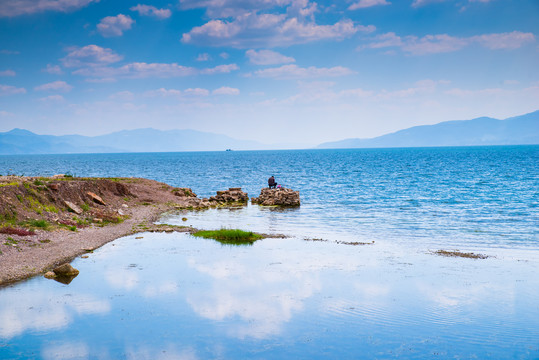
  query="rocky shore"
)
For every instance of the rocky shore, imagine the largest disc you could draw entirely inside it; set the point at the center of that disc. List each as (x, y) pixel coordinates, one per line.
(47, 221)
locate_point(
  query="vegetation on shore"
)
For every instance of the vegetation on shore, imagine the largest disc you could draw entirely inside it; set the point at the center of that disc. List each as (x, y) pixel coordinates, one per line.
(230, 236)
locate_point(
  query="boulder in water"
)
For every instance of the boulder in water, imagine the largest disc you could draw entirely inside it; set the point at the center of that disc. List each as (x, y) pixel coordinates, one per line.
(277, 197)
(232, 196)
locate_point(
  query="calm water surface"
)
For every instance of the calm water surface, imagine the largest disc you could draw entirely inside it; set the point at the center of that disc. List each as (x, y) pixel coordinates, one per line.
(172, 296)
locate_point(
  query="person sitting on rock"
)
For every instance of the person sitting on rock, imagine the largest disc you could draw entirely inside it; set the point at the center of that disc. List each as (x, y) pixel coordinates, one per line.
(271, 183)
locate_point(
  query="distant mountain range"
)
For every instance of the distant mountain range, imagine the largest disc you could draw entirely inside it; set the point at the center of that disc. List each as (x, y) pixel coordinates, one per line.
(519, 130)
(18, 141)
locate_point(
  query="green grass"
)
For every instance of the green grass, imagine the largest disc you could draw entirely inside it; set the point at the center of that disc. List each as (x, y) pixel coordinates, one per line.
(230, 236)
(43, 224)
(9, 184)
(11, 242)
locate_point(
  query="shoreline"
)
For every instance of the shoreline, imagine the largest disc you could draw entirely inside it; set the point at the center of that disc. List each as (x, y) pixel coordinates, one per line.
(67, 217)
(63, 246)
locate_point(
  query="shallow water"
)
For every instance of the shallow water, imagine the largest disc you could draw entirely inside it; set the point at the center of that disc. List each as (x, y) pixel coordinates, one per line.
(173, 296)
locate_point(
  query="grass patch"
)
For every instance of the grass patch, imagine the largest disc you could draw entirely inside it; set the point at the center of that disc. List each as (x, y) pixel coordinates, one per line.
(85, 207)
(11, 242)
(42, 224)
(230, 236)
(9, 184)
(51, 208)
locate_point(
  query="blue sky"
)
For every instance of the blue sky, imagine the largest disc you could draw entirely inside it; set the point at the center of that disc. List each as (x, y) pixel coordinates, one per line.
(268, 70)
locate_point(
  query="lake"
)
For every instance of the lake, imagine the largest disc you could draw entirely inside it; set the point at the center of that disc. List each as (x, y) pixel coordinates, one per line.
(311, 295)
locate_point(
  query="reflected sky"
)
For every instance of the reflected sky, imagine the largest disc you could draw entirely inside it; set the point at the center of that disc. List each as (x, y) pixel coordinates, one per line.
(173, 296)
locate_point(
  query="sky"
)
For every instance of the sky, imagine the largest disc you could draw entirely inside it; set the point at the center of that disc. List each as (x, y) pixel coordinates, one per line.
(274, 71)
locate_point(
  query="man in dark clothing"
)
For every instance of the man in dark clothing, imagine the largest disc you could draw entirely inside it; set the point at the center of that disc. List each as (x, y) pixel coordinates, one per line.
(272, 183)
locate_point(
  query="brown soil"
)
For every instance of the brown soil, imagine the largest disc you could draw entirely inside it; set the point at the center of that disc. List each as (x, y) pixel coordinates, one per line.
(42, 206)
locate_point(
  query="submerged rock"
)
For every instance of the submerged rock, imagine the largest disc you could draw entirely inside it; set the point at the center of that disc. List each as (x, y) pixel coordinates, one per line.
(277, 197)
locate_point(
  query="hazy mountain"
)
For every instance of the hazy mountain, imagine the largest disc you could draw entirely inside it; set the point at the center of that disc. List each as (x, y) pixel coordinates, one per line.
(18, 141)
(519, 130)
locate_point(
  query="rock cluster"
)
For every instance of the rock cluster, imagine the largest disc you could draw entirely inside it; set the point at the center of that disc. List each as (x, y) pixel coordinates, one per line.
(280, 197)
(232, 196)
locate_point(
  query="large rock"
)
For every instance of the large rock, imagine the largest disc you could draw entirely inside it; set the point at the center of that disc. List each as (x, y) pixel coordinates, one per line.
(77, 210)
(96, 198)
(232, 196)
(277, 197)
(66, 270)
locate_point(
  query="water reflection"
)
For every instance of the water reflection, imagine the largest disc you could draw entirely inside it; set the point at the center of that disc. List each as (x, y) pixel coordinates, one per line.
(37, 307)
(173, 296)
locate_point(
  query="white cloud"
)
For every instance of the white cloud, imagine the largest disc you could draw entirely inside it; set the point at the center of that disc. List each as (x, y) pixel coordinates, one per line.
(191, 92)
(433, 44)
(225, 90)
(122, 95)
(7, 73)
(138, 70)
(92, 61)
(148, 10)
(268, 30)
(220, 69)
(54, 86)
(162, 92)
(75, 350)
(231, 8)
(224, 55)
(53, 69)
(443, 43)
(419, 3)
(52, 99)
(11, 8)
(114, 25)
(267, 57)
(203, 57)
(466, 93)
(512, 40)
(296, 72)
(90, 55)
(11, 90)
(196, 92)
(5, 113)
(101, 80)
(361, 4)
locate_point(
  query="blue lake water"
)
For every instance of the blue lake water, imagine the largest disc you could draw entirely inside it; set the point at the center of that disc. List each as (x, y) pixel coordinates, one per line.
(172, 296)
